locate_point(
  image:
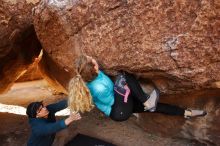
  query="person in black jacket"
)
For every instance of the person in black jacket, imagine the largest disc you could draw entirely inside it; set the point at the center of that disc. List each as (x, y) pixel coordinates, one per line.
(43, 122)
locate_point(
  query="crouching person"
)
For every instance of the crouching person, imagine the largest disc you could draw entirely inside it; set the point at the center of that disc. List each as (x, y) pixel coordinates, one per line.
(43, 122)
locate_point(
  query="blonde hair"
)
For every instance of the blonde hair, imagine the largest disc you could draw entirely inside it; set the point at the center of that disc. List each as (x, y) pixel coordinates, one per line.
(80, 99)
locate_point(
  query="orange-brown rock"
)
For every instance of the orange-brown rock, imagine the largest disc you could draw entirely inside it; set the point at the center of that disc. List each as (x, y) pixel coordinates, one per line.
(33, 73)
(55, 75)
(203, 129)
(18, 42)
(176, 44)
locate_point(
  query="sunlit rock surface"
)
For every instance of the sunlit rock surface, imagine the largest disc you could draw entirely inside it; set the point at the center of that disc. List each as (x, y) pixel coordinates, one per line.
(18, 42)
(33, 73)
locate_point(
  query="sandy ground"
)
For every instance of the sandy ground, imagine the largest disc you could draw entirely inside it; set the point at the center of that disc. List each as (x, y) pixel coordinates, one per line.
(14, 128)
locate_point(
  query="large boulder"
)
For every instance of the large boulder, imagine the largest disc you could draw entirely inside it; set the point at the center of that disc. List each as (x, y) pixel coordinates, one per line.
(18, 41)
(174, 43)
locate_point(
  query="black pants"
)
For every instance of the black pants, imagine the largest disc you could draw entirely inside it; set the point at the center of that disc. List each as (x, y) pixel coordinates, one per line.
(121, 111)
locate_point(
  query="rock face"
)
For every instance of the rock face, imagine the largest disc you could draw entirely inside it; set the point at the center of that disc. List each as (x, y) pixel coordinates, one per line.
(174, 43)
(203, 129)
(18, 42)
(33, 73)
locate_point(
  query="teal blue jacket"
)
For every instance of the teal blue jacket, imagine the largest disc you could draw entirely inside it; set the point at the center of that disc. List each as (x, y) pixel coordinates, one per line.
(101, 89)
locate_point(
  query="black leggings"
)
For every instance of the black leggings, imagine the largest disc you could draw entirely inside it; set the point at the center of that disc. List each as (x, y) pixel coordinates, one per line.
(121, 111)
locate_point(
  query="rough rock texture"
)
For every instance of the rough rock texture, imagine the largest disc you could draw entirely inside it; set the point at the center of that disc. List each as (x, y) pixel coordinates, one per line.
(203, 129)
(174, 43)
(53, 73)
(18, 42)
(33, 73)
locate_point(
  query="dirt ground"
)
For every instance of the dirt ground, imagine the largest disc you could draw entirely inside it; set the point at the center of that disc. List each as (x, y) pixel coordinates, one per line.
(14, 129)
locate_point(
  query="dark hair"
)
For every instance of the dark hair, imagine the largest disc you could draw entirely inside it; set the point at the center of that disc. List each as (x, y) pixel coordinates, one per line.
(32, 109)
(86, 68)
